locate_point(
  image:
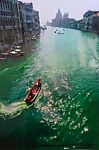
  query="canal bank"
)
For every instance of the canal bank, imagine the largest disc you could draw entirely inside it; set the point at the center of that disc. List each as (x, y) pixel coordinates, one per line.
(66, 111)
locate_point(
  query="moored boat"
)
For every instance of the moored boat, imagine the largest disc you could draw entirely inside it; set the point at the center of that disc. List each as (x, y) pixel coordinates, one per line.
(5, 54)
(19, 51)
(16, 47)
(60, 33)
(33, 92)
(16, 52)
(2, 58)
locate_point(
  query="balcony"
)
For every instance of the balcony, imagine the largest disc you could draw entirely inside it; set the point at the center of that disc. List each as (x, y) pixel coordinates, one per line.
(8, 27)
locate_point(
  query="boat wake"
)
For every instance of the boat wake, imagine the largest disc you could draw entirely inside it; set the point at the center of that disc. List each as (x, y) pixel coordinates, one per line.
(12, 110)
(43, 100)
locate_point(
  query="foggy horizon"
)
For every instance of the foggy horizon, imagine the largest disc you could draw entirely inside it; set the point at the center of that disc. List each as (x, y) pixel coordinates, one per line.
(48, 9)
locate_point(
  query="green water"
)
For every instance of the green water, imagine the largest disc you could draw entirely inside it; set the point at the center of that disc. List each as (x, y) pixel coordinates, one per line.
(65, 113)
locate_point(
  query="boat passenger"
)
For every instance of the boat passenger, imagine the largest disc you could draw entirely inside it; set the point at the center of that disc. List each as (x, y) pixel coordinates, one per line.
(39, 83)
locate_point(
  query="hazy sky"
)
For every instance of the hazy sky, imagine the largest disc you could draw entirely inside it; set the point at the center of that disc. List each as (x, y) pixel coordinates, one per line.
(76, 9)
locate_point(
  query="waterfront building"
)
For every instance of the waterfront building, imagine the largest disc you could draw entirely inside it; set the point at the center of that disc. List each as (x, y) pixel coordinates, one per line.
(29, 19)
(48, 23)
(61, 21)
(26, 17)
(36, 23)
(9, 21)
(70, 23)
(66, 21)
(57, 21)
(65, 16)
(58, 15)
(17, 20)
(90, 21)
(95, 24)
(77, 24)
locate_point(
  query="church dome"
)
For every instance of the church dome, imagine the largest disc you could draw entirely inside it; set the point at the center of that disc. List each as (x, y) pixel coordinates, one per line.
(59, 14)
(65, 16)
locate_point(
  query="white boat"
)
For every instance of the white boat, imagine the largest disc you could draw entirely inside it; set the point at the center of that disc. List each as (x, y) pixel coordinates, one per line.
(18, 50)
(5, 54)
(60, 32)
(13, 52)
(1, 58)
(18, 47)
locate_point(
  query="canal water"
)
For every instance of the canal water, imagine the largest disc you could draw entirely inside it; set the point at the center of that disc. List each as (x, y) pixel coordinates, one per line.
(66, 111)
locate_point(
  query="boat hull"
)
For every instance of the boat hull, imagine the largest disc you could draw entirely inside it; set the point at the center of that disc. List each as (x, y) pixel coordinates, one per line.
(33, 92)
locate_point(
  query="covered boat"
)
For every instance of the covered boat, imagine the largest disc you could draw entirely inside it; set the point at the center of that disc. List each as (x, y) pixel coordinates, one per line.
(33, 92)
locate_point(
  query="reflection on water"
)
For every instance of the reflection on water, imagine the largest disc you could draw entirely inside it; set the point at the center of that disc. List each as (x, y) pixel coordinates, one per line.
(66, 110)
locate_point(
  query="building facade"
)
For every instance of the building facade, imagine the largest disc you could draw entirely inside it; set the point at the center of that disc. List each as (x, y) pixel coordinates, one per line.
(65, 16)
(91, 21)
(61, 21)
(9, 21)
(57, 21)
(26, 17)
(17, 21)
(29, 19)
(36, 23)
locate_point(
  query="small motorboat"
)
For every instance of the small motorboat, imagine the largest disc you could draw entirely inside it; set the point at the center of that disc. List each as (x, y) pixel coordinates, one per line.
(2, 58)
(60, 33)
(13, 53)
(33, 92)
(18, 47)
(16, 52)
(5, 54)
(19, 51)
